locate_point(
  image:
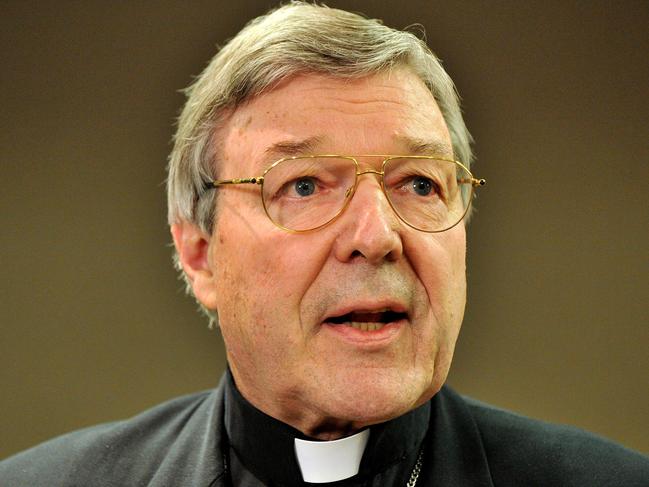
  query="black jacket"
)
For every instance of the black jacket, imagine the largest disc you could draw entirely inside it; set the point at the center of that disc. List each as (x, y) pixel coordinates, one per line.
(179, 443)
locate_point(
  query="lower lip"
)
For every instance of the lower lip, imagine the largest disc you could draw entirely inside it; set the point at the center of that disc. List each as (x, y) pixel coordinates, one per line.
(375, 338)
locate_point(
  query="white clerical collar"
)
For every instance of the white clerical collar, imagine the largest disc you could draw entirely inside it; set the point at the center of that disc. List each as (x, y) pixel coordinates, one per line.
(329, 461)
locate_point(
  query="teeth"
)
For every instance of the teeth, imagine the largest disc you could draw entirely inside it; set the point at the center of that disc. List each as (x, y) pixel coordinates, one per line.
(365, 326)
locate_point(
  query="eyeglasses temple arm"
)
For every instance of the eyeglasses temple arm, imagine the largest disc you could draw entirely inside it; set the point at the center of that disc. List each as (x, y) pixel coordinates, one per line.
(474, 182)
(216, 184)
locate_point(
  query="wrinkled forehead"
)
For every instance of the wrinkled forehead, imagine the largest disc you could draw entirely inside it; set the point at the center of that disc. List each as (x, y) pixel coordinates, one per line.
(384, 113)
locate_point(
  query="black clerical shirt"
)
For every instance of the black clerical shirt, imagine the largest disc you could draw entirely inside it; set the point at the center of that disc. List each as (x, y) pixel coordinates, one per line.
(262, 449)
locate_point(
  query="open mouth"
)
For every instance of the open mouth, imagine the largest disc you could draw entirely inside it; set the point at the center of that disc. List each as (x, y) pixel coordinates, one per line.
(367, 320)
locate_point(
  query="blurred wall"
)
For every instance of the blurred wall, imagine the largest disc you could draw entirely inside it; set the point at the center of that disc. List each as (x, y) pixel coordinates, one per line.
(94, 325)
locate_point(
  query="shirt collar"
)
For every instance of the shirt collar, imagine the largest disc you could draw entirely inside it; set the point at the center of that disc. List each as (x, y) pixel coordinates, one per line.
(329, 461)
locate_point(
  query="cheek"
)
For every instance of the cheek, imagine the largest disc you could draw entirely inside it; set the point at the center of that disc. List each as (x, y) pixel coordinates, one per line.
(441, 270)
(262, 274)
(440, 265)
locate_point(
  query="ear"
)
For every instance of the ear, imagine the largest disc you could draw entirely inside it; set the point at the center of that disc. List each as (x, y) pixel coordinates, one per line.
(192, 245)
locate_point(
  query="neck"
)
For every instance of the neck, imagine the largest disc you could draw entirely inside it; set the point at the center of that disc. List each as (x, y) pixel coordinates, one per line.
(313, 423)
(265, 446)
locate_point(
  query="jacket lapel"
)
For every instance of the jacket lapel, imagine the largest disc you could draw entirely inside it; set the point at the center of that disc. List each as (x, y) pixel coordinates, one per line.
(456, 451)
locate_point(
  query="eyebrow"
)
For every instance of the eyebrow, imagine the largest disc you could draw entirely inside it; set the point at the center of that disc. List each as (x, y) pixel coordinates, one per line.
(427, 147)
(288, 148)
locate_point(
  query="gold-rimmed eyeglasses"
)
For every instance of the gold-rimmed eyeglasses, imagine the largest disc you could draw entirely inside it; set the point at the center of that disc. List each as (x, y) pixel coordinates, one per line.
(304, 193)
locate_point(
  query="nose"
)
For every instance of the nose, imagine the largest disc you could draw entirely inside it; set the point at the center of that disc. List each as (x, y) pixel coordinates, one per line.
(369, 228)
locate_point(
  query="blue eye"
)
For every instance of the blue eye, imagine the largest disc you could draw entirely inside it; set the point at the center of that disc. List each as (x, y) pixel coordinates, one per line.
(422, 186)
(305, 187)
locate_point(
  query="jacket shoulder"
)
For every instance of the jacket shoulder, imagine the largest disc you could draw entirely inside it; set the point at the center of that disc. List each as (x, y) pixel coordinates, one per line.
(128, 452)
(525, 451)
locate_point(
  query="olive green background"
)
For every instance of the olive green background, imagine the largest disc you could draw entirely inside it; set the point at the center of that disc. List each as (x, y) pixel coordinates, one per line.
(94, 325)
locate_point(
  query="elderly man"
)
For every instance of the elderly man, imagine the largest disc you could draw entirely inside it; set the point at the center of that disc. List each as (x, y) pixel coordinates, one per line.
(318, 189)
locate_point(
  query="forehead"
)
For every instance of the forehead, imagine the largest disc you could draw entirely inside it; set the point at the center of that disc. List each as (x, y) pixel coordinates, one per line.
(388, 113)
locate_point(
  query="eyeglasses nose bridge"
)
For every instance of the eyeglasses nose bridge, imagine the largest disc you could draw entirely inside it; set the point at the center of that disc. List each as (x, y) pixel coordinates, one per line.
(369, 171)
(350, 191)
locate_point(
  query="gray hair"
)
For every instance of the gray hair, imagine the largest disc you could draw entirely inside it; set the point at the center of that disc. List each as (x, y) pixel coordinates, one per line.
(295, 38)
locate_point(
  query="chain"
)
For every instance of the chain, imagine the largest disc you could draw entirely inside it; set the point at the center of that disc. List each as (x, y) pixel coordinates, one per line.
(412, 481)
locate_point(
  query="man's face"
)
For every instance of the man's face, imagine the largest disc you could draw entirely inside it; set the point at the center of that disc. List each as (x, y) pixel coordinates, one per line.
(276, 291)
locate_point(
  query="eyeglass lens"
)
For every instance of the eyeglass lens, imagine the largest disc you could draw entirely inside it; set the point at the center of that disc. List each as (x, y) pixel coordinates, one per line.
(306, 193)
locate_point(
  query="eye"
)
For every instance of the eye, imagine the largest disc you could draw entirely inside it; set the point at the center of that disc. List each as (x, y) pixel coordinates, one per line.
(422, 185)
(304, 186)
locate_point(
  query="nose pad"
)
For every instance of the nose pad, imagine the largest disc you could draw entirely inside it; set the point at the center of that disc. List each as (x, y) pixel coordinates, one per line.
(374, 185)
(371, 226)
